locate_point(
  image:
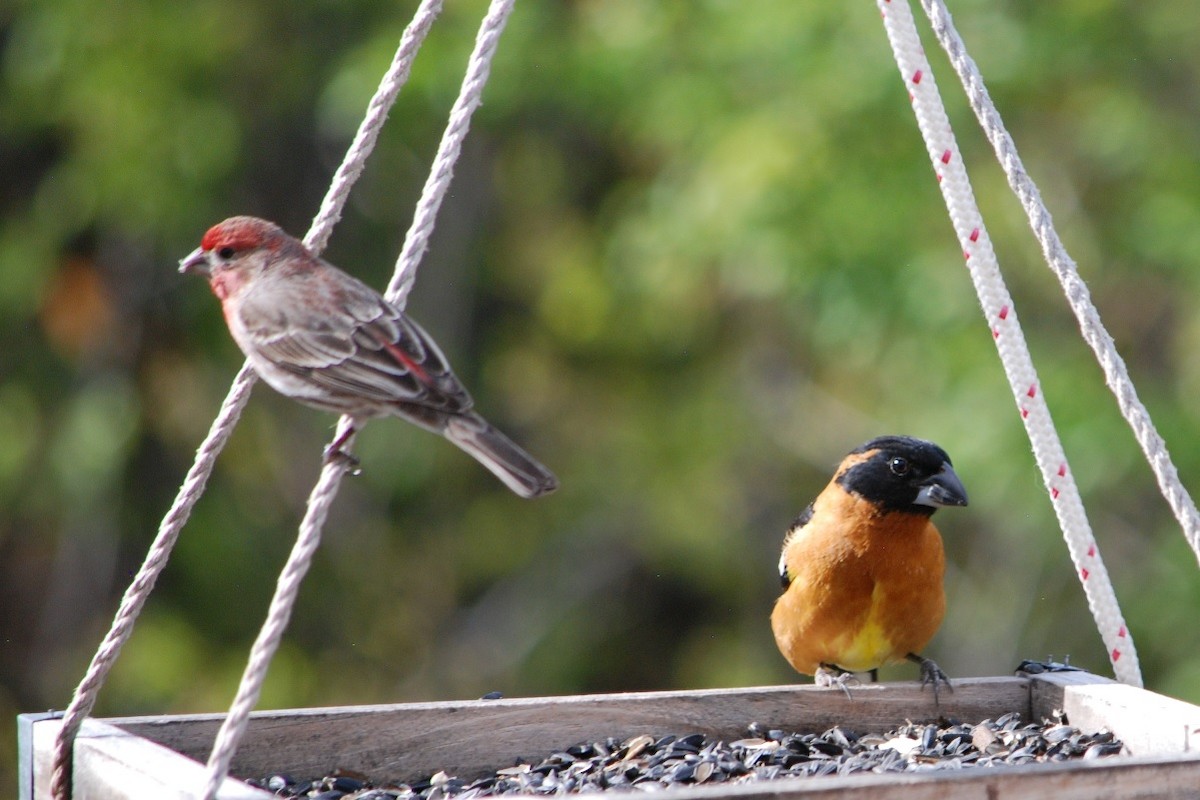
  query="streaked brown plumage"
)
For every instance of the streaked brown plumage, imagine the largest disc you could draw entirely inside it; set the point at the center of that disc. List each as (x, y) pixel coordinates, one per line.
(321, 336)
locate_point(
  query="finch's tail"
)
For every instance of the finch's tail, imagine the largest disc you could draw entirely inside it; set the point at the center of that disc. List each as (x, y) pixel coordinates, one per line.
(508, 462)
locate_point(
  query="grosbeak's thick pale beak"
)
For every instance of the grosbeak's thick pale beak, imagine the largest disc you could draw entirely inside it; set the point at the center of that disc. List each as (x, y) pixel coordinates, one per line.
(943, 489)
(195, 263)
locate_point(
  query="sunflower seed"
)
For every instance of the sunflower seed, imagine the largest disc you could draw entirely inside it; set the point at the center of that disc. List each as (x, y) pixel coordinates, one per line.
(651, 763)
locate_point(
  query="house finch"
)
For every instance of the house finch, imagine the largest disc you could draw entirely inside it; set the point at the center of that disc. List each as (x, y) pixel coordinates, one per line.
(322, 337)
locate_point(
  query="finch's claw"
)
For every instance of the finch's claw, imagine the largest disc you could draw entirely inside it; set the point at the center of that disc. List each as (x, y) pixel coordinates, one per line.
(338, 456)
(931, 673)
(830, 676)
(334, 454)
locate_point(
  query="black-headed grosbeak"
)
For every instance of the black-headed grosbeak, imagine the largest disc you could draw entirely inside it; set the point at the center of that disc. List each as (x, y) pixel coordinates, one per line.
(862, 566)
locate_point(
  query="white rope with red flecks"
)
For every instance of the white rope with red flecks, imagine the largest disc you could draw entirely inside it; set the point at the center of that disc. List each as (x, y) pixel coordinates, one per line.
(1001, 313)
(323, 493)
(1115, 373)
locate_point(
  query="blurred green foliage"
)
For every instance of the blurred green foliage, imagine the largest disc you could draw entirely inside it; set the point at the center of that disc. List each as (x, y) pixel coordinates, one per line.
(694, 252)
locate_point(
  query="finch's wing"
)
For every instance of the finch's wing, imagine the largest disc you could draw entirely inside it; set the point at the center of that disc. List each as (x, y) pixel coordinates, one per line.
(368, 349)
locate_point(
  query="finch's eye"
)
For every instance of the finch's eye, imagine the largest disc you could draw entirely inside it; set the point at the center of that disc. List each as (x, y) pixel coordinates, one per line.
(899, 466)
(226, 252)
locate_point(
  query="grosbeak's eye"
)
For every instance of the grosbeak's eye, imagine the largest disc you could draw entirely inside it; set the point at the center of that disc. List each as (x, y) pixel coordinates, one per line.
(226, 252)
(899, 466)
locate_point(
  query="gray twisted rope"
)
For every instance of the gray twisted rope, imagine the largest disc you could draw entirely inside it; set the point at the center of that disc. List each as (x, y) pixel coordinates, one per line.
(234, 726)
(84, 698)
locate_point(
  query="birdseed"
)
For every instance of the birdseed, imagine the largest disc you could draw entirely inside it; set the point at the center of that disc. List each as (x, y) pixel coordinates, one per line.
(652, 763)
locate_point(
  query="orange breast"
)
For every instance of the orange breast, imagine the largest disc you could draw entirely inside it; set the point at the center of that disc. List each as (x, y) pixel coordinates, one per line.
(866, 589)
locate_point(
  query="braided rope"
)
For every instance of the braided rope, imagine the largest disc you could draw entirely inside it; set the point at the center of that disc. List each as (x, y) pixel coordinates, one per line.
(1063, 266)
(86, 694)
(321, 499)
(999, 310)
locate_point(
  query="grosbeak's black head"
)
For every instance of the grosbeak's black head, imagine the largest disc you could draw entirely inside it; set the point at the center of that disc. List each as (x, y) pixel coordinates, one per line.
(900, 473)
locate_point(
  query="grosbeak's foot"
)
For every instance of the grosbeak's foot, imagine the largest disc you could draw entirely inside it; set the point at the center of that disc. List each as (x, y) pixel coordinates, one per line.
(339, 457)
(829, 676)
(931, 673)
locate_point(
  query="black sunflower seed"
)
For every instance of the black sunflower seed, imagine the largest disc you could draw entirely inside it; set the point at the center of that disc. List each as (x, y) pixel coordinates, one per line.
(655, 762)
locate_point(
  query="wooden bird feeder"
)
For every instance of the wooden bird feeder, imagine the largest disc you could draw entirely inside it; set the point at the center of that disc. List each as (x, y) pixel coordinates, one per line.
(161, 757)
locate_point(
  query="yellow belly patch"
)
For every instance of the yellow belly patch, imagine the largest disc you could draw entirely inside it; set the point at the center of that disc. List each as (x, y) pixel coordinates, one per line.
(869, 647)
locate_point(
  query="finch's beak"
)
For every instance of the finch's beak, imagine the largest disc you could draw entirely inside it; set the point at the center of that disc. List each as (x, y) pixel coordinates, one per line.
(943, 489)
(195, 263)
